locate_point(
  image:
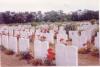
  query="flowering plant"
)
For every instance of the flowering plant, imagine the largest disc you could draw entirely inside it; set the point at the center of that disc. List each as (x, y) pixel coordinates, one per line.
(51, 54)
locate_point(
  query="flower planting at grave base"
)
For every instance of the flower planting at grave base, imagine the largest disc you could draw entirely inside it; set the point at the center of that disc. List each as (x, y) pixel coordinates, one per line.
(9, 52)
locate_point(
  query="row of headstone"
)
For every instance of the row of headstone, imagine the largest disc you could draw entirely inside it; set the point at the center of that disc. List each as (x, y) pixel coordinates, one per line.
(80, 39)
(75, 40)
(12, 43)
(66, 56)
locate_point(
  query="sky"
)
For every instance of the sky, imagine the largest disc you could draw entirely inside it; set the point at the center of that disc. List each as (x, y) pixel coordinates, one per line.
(48, 5)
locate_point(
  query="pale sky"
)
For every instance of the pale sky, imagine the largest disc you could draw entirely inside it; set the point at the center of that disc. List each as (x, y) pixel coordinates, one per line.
(47, 5)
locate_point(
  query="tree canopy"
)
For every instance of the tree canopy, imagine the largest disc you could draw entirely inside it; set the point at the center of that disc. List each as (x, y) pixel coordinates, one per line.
(51, 16)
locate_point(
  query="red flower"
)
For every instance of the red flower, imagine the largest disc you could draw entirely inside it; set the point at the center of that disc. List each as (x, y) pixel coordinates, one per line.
(50, 50)
(51, 54)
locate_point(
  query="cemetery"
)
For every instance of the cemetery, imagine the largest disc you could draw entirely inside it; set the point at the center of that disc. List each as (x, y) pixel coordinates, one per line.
(51, 44)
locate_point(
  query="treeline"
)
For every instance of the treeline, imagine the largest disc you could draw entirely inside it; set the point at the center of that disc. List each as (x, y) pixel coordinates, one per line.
(51, 16)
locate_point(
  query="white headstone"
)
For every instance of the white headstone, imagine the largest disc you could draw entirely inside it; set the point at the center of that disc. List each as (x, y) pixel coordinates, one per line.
(40, 49)
(84, 37)
(13, 43)
(71, 33)
(37, 33)
(97, 41)
(66, 55)
(6, 31)
(24, 34)
(32, 30)
(23, 44)
(76, 39)
(61, 36)
(11, 32)
(16, 32)
(50, 37)
(5, 41)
